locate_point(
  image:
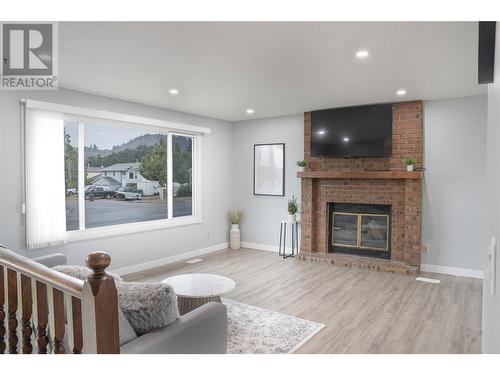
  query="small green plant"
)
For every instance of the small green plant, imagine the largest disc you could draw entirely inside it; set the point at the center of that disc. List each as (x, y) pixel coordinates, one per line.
(302, 163)
(234, 216)
(409, 161)
(293, 206)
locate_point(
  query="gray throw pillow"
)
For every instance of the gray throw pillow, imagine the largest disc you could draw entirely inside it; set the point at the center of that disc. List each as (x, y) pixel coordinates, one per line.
(147, 306)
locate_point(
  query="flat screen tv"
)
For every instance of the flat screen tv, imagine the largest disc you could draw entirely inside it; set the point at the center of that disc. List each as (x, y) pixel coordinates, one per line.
(361, 131)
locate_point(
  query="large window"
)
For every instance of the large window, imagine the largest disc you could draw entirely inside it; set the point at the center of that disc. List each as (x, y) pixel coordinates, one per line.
(92, 173)
(125, 175)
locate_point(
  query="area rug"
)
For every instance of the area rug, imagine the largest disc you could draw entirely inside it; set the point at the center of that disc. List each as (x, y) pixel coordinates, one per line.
(252, 330)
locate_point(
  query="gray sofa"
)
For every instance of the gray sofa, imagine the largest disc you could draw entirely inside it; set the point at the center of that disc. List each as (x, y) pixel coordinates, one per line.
(201, 331)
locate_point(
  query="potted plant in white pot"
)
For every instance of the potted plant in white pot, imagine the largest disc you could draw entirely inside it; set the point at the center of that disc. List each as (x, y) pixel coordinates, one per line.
(302, 164)
(410, 164)
(234, 233)
(293, 208)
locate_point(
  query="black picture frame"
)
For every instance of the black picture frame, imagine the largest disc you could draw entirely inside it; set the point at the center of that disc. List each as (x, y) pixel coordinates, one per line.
(255, 146)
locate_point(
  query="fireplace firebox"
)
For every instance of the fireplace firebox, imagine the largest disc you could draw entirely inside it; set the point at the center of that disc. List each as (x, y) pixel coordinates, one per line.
(360, 229)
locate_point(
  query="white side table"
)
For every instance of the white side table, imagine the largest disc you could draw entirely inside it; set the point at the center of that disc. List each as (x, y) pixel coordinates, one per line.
(293, 229)
(196, 289)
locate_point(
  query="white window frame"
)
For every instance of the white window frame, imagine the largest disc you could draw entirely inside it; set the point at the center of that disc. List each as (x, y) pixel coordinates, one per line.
(170, 128)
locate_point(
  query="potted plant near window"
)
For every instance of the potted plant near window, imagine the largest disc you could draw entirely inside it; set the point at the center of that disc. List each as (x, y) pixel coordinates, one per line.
(410, 164)
(302, 164)
(234, 233)
(293, 208)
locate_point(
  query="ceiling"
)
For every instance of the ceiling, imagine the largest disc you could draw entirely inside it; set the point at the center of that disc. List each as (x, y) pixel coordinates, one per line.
(276, 68)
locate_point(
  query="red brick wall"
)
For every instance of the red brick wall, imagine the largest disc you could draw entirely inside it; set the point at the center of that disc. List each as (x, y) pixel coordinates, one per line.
(403, 195)
(390, 192)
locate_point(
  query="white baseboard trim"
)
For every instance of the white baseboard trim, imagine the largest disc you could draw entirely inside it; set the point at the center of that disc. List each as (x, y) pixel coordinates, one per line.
(260, 246)
(168, 260)
(465, 272)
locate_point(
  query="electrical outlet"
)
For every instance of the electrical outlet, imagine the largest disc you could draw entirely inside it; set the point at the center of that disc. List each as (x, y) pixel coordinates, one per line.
(426, 248)
(208, 234)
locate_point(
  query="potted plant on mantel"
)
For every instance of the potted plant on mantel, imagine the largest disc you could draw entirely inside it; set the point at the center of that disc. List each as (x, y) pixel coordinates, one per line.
(234, 233)
(410, 164)
(293, 208)
(302, 164)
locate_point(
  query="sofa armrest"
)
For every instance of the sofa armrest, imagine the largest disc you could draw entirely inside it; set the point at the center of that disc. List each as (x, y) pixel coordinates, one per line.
(201, 331)
(52, 260)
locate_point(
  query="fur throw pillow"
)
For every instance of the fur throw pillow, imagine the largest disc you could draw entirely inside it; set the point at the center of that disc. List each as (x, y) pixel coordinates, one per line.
(147, 306)
(81, 272)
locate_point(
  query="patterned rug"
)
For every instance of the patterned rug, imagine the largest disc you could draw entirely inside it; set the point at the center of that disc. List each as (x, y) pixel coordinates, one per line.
(252, 330)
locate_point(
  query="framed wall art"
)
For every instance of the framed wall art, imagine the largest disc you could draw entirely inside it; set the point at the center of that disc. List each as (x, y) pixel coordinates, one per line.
(269, 169)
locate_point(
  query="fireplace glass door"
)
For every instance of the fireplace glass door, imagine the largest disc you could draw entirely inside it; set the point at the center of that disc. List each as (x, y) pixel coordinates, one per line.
(360, 230)
(374, 231)
(345, 229)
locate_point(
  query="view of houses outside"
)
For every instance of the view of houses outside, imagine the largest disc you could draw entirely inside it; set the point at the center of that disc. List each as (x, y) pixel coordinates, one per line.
(125, 175)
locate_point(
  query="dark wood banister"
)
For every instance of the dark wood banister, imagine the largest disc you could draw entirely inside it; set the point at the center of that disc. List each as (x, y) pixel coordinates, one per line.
(94, 303)
(105, 302)
(39, 272)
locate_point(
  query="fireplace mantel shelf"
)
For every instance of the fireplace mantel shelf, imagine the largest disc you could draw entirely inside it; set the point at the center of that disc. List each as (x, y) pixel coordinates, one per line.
(374, 175)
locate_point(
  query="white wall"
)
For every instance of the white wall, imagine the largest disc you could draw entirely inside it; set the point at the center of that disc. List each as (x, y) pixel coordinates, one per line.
(491, 303)
(453, 193)
(217, 165)
(262, 214)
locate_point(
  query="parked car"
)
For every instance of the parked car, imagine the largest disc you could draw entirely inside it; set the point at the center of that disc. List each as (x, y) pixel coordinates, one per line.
(71, 191)
(127, 194)
(97, 192)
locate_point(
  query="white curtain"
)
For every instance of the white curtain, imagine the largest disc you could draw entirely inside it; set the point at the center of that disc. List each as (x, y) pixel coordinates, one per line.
(45, 186)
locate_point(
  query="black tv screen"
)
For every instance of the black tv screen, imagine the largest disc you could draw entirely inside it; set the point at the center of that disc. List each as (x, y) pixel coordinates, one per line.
(361, 131)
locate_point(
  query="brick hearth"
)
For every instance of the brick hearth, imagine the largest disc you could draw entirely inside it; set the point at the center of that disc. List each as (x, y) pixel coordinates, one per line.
(326, 181)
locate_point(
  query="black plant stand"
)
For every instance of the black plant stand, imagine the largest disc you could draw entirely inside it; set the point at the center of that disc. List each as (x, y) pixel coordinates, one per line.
(294, 238)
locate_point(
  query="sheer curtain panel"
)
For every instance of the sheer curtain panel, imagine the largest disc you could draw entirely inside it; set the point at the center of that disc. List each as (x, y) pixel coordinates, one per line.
(45, 191)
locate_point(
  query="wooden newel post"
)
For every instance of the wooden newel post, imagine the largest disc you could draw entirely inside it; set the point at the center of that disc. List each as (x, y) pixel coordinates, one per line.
(105, 304)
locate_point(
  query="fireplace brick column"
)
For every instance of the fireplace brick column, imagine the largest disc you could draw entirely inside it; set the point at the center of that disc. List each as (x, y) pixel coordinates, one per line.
(307, 204)
(413, 225)
(306, 217)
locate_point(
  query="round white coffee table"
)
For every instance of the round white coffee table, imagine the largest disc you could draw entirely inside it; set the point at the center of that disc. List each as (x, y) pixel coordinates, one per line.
(196, 289)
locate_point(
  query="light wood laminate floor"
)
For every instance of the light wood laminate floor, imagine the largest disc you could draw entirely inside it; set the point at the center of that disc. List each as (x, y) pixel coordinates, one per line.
(364, 311)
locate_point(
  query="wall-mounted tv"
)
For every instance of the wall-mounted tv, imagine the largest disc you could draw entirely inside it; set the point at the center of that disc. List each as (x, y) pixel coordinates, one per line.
(360, 131)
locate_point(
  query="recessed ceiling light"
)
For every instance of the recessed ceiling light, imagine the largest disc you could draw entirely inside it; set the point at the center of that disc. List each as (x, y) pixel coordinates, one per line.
(401, 92)
(321, 132)
(250, 111)
(362, 54)
(173, 92)
(346, 139)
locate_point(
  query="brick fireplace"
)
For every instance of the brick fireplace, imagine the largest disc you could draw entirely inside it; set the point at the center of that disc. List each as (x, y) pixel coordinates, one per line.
(380, 182)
